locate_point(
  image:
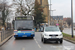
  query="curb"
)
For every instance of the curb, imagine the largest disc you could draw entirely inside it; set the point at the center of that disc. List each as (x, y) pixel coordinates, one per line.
(5, 40)
(69, 40)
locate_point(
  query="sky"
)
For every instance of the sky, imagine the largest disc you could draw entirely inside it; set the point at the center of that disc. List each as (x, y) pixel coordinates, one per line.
(62, 7)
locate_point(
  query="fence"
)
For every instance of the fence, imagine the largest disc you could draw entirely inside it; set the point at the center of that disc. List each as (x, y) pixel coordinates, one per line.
(5, 34)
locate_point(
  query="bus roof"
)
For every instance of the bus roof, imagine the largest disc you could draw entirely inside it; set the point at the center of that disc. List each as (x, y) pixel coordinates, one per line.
(24, 18)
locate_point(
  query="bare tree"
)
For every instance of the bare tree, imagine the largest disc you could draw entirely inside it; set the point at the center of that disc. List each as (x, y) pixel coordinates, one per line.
(24, 7)
(68, 20)
(4, 7)
(1, 7)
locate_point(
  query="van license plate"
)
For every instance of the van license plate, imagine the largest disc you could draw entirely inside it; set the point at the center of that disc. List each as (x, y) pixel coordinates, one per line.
(53, 36)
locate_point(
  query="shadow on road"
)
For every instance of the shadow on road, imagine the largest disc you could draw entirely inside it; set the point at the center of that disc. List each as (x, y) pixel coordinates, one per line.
(24, 38)
(53, 43)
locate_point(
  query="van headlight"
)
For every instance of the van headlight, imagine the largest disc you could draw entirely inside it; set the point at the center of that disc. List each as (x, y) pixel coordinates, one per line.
(45, 34)
(60, 34)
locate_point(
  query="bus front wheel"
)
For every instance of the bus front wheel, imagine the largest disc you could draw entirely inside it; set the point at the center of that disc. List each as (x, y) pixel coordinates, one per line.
(31, 37)
(16, 38)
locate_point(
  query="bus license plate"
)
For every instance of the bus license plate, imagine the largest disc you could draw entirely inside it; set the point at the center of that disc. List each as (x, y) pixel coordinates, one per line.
(24, 36)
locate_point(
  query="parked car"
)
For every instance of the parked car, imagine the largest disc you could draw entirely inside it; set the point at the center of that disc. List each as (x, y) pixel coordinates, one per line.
(51, 33)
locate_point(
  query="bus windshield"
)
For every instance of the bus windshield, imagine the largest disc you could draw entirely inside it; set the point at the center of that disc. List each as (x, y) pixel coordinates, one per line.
(23, 24)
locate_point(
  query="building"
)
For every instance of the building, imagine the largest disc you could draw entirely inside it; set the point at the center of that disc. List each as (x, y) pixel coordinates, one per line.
(57, 20)
(44, 4)
(65, 23)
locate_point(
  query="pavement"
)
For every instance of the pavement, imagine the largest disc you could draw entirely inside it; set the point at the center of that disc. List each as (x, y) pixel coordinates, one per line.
(68, 31)
(35, 44)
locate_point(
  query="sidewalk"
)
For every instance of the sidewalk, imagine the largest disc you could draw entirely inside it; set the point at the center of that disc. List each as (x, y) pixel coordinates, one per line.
(68, 31)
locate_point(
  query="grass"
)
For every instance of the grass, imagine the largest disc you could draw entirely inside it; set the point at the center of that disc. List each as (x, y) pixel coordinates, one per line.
(68, 36)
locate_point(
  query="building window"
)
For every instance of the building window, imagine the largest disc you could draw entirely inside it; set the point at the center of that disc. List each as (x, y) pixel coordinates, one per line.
(41, 2)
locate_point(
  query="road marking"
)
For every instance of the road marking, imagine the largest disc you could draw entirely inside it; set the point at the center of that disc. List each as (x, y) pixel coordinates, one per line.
(66, 48)
(58, 48)
(23, 48)
(39, 46)
(37, 43)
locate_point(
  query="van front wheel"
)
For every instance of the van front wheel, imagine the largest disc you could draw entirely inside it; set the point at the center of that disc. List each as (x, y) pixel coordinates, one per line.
(44, 40)
(61, 41)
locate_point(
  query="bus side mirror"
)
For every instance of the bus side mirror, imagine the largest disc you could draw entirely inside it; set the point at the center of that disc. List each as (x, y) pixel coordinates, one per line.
(13, 23)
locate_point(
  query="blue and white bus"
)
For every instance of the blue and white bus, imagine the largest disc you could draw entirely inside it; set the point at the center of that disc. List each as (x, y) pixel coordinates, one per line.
(24, 27)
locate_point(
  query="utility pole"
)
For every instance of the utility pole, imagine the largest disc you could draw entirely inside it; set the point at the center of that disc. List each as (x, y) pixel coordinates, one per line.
(50, 12)
(72, 16)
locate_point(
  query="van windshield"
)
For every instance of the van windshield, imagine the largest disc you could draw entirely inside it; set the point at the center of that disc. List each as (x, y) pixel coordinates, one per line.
(52, 29)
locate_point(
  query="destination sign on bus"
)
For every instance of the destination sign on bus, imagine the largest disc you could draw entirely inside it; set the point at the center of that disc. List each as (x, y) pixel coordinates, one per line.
(22, 18)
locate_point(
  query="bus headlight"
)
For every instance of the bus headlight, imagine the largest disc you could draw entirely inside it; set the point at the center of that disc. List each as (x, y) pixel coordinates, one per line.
(15, 30)
(32, 33)
(14, 34)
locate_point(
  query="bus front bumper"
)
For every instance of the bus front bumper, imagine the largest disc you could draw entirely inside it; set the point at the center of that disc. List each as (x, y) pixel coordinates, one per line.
(32, 35)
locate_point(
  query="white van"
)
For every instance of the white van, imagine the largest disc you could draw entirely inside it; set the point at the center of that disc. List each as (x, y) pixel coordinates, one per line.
(52, 33)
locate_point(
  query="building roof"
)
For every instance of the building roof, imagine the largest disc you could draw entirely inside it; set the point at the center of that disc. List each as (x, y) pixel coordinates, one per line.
(57, 17)
(65, 19)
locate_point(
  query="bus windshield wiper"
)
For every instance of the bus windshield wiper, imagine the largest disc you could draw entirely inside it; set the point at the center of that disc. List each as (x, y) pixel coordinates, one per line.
(24, 29)
(20, 29)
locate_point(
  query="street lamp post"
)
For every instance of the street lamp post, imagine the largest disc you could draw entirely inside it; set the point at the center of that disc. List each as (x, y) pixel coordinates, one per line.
(51, 22)
(50, 12)
(72, 16)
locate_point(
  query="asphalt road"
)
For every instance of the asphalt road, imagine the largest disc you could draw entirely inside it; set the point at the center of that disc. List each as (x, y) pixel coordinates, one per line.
(35, 44)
